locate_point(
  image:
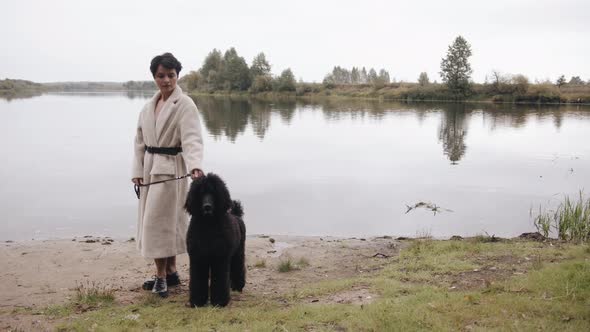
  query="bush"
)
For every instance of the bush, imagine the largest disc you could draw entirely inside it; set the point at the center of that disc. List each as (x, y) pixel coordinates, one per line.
(261, 83)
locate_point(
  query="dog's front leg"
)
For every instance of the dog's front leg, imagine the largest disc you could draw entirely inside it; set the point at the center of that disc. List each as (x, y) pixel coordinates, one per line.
(220, 281)
(199, 282)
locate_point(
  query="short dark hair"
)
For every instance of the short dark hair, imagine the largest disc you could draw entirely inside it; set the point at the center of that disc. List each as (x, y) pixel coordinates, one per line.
(168, 61)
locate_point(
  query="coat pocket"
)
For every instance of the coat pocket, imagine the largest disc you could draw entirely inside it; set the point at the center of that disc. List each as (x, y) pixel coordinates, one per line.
(163, 165)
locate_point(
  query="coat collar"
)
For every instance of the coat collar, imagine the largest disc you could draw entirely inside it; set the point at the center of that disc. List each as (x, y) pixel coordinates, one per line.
(166, 110)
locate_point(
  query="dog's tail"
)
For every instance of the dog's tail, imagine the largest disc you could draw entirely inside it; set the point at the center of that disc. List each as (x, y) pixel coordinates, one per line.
(236, 209)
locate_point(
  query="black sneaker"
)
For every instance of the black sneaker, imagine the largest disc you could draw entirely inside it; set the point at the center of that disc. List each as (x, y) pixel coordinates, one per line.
(160, 287)
(171, 279)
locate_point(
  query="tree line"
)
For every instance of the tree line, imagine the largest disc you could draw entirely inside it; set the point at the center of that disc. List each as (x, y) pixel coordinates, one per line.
(230, 72)
(341, 75)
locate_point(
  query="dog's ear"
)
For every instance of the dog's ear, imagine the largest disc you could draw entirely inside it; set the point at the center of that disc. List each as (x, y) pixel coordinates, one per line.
(222, 196)
(192, 197)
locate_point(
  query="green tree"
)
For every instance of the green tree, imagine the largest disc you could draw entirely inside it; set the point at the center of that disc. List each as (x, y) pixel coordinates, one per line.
(235, 73)
(261, 83)
(455, 68)
(286, 82)
(192, 80)
(354, 76)
(560, 81)
(329, 81)
(576, 80)
(259, 66)
(372, 76)
(384, 77)
(423, 79)
(521, 83)
(363, 77)
(211, 68)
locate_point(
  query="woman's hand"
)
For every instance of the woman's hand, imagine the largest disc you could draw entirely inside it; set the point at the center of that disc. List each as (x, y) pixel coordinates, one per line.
(137, 181)
(196, 173)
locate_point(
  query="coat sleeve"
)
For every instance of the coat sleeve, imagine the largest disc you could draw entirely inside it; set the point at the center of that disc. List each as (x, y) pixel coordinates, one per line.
(138, 151)
(191, 138)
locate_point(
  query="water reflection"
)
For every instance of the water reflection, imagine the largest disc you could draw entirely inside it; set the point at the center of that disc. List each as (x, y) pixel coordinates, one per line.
(230, 117)
(453, 130)
(19, 95)
(131, 94)
(302, 167)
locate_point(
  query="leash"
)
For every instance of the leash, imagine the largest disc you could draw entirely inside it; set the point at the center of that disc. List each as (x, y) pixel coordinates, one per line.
(137, 186)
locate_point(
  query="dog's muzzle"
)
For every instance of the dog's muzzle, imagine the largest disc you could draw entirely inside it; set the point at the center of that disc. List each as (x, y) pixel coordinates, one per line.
(207, 209)
(208, 205)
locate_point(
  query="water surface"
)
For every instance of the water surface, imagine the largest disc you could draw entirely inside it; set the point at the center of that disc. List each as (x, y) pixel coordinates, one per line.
(343, 168)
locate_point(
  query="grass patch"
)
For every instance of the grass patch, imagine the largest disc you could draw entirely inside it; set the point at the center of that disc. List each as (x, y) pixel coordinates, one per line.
(302, 262)
(411, 293)
(571, 220)
(288, 264)
(260, 264)
(93, 293)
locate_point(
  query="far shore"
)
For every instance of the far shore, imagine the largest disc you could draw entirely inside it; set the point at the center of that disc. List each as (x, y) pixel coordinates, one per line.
(536, 94)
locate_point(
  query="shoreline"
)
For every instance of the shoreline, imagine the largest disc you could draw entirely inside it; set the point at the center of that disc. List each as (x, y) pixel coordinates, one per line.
(42, 280)
(285, 96)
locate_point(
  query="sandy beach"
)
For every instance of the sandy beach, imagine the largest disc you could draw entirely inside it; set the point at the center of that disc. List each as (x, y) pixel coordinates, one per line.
(39, 274)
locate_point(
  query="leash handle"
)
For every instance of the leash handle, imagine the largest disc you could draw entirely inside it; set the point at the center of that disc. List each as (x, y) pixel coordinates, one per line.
(136, 187)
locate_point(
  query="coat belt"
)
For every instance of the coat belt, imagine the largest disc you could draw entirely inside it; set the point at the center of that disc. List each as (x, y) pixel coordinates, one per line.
(171, 151)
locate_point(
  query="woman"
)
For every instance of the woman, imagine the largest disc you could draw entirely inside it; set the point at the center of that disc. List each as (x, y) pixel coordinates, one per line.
(167, 144)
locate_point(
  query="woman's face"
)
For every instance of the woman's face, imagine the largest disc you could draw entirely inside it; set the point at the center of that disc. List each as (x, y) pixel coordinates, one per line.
(165, 79)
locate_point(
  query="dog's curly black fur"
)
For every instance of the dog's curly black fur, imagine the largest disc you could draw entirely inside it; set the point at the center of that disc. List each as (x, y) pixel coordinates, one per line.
(215, 241)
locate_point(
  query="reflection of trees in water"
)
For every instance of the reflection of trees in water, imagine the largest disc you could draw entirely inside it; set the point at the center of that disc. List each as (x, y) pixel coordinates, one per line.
(340, 109)
(453, 130)
(517, 116)
(224, 116)
(229, 117)
(8, 96)
(260, 117)
(505, 115)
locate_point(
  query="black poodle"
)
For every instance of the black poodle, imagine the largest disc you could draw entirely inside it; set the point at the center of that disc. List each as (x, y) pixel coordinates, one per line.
(215, 241)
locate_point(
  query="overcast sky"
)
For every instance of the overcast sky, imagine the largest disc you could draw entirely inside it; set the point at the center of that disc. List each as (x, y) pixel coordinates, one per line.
(114, 40)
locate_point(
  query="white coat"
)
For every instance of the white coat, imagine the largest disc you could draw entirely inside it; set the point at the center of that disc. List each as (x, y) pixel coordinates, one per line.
(162, 222)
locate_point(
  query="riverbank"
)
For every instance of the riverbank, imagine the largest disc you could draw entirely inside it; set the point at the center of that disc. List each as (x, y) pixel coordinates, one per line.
(327, 283)
(544, 94)
(541, 94)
